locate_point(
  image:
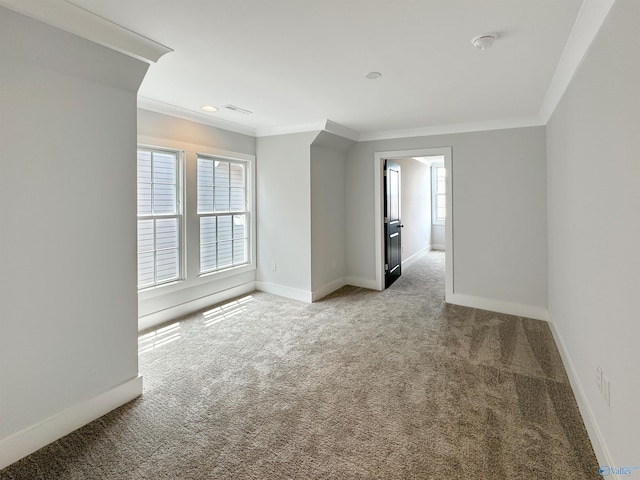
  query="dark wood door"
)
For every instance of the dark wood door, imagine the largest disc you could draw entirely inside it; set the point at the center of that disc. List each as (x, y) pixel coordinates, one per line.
(392, 223)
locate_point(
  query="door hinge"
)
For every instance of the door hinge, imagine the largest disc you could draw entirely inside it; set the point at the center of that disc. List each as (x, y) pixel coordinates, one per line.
(385, 173)
(386, 219)
(386, 267)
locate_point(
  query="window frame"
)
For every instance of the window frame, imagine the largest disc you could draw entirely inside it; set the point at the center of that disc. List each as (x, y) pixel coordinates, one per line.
(179, 215)
(248, 212)
(435, 220)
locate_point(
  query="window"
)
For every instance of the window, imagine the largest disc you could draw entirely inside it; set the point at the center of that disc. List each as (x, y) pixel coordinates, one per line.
(159, 217)
(438, 194)
(223, 213)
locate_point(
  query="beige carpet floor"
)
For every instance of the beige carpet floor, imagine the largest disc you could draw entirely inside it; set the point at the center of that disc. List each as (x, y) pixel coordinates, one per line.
(361, 385)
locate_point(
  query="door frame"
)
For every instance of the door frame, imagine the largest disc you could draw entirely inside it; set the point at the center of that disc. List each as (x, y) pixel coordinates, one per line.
(378, 167)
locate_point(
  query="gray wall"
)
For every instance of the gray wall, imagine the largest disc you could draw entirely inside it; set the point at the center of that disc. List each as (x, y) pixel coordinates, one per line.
(68, 323)
(284, 212)
(68, 129)
(499, 212)
(438, 237)
(415, 204)
(328, 217)
(168, 128)
(437, 232)
(594, 227)
(171, 301)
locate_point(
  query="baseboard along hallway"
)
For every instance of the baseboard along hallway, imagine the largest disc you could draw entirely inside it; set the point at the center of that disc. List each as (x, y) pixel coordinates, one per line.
(361, 384)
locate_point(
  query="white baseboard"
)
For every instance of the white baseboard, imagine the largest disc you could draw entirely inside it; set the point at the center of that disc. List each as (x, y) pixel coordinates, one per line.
(599, 447)
(438, 247)
(500, 306)
(186, 308)
(361, 282)
(32, 438)
(283, 291)
(327, 289)
(415, 257)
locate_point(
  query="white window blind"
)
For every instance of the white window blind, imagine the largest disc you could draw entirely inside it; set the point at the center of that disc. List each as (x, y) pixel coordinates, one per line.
(223, 213)
(159, 217)
(439, 197)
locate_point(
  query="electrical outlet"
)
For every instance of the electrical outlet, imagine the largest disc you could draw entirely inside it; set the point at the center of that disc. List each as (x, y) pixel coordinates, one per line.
(274, 266)
(606, 390)
(599, 377)
(334, 263)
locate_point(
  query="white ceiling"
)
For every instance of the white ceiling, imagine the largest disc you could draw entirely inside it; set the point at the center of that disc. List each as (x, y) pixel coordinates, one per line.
(296, 63)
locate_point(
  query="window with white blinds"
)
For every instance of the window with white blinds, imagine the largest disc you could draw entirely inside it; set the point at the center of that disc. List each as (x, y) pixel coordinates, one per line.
(439, 194)
(159, 217)
(223, 213)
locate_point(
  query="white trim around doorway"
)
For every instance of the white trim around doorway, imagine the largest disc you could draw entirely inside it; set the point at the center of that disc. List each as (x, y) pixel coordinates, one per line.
(378, 166)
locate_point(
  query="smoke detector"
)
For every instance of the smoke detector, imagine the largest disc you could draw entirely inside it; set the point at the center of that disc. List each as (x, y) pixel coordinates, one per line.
(484, 41)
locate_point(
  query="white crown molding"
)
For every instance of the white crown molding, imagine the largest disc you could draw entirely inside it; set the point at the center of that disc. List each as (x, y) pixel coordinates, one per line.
(157, 106)
(448, 129)
(588, 22)
(287, 129)
(341, 131)
(333, 127)
(67, 16)
(322, 126)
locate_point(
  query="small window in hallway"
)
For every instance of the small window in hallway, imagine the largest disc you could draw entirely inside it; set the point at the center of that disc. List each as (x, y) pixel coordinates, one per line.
(438, 194)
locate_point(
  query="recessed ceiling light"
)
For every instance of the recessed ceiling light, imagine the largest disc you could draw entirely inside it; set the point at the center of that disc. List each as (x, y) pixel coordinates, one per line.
(484, 41)
(209, 108)
(373, 75)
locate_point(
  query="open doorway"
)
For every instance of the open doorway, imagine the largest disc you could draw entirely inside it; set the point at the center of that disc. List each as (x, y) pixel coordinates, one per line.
(427, 156)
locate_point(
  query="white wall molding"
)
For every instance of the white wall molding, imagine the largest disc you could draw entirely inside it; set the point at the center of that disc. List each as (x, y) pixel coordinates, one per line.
(67, 16)
(283, 291)
(507, 123)
(341, 131)
(320, 126)
(345, 132)
(362, 283)
(415, 257)
(327, 289)
(378, 164)
(437, 246)
(309, 297)
(588, 22)
(328, 126)
(168, 314)
(289, 129)
(32, 438)
(157, 106)
(597, 441)
(500, 306)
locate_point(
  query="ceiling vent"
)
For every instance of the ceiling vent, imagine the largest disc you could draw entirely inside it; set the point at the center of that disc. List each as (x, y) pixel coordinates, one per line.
(233, 108)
